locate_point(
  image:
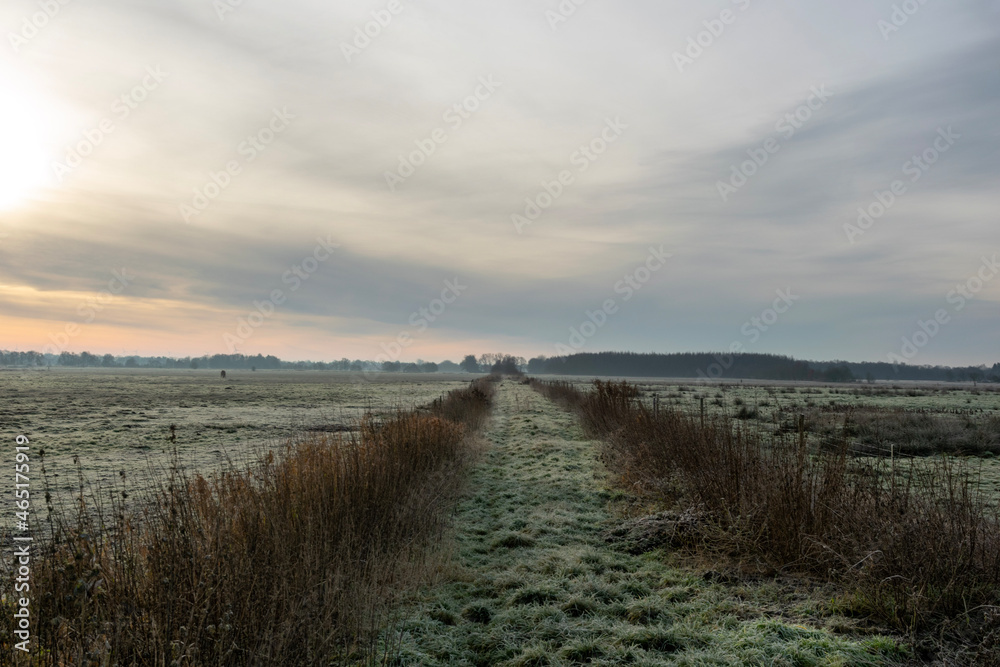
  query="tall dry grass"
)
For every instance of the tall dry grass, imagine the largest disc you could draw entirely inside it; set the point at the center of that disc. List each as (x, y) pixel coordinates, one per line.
(914, 542)
(292, 560)
(875, 430)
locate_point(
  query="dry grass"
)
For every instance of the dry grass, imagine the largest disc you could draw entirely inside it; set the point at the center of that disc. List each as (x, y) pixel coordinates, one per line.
(539, 584)
(875, 430)
(292, 560)
(916, 546)
(564, 393)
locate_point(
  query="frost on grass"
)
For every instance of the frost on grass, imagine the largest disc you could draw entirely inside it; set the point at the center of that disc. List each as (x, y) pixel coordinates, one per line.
(541, 585)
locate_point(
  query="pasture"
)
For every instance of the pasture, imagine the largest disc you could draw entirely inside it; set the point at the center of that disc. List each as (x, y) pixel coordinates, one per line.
(542, 536)
(119, 419)
(914, 421)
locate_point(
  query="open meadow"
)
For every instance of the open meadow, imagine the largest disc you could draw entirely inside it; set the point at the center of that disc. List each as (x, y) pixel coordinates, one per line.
(120, 419)
(500, 334)
(908, 420)
(430, 520)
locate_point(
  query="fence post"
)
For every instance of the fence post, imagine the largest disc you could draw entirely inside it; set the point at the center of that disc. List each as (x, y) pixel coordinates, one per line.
(802, 439)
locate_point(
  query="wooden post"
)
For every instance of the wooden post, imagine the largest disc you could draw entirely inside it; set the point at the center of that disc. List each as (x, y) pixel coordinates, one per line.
(703, 412)
(892, 463)
(802, 440)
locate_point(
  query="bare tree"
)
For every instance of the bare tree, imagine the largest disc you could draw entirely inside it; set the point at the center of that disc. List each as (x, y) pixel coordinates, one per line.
(489, 359)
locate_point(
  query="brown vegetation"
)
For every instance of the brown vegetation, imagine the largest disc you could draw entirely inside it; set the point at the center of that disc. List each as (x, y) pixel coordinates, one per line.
(880, 430)
(914, 545)
(292, 560)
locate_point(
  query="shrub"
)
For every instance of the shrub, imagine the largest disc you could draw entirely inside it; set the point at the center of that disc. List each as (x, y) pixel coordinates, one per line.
(915, 541)
(291, 560)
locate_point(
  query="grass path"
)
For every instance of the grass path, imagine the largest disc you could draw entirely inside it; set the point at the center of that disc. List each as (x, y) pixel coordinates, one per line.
(535, 584)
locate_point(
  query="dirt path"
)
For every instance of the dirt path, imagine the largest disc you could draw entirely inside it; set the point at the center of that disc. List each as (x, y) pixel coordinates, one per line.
(535, 584)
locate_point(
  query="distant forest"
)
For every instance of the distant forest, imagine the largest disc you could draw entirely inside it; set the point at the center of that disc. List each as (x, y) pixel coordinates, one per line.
(711, 366)
(715, 366)
(216, 362)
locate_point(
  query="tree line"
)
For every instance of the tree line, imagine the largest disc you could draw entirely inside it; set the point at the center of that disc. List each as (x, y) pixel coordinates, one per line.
(707, 365)
(749, 366)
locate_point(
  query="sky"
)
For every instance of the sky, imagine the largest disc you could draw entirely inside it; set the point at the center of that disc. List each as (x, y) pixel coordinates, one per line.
(396, 180)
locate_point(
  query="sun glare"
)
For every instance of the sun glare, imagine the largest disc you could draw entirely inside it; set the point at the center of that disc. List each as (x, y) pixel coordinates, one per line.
(23, 154)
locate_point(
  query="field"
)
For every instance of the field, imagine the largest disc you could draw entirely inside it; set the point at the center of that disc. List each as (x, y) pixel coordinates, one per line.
(536, 581)
(905, 420)
(120, 419)
(522, 543)
(772, 396)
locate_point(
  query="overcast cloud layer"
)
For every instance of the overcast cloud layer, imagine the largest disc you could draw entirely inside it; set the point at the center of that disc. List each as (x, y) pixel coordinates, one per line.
(332, 113)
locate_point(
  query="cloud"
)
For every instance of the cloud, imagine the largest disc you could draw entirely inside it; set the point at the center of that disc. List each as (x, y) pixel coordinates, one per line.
(324, 174)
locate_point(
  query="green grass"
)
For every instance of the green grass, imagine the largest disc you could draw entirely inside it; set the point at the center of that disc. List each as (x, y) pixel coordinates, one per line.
(534, 583)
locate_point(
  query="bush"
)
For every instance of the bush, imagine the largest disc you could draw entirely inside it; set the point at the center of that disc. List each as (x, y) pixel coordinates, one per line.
(915, 542)
(292, 560)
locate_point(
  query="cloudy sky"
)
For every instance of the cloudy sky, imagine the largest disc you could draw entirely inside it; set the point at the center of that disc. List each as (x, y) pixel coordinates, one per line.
(318, 180)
